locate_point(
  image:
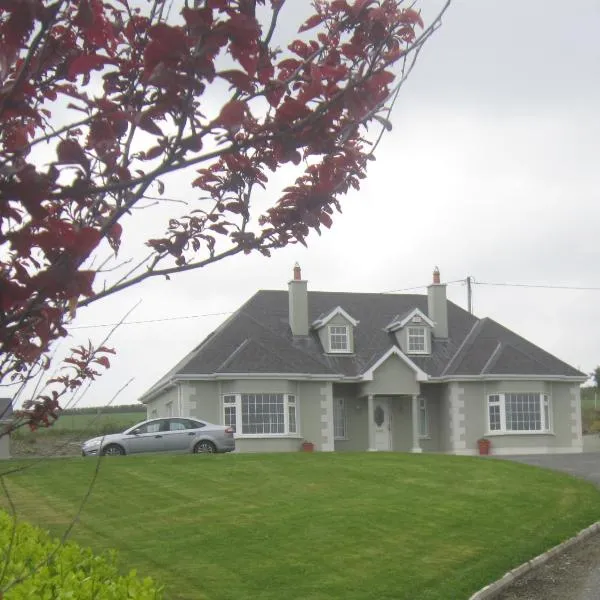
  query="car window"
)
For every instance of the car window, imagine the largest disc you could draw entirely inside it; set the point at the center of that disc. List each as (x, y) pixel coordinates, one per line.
(178, 424)
(181, 424)
(152, 427)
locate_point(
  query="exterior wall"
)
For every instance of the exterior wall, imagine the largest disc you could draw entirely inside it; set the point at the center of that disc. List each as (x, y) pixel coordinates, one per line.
(565, 411)
(158, 407)
(435, 441)
(357, 423)
(284, 444)
(203, 401)
(393, 377)
(316, 404)
(323, 332)
(402, 434)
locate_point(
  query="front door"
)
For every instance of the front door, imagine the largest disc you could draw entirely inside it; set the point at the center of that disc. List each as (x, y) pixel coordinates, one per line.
(382, 422)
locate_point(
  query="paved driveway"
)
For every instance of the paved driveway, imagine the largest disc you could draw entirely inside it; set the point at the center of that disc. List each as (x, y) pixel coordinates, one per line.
(574, 574)
(586, 465)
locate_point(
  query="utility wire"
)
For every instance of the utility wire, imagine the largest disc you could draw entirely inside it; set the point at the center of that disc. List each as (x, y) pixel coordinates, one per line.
(421, 287)
(535, 285)
(150, 320)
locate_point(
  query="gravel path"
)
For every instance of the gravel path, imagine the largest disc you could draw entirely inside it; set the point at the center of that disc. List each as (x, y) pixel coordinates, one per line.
(574, 575)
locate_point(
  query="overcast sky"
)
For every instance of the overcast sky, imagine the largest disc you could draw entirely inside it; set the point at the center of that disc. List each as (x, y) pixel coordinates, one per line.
(491, 170)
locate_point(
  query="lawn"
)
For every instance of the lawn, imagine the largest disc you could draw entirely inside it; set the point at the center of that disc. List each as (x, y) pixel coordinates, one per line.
(310, 526)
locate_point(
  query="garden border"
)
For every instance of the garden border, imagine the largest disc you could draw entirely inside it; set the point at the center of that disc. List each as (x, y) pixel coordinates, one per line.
(492, 589)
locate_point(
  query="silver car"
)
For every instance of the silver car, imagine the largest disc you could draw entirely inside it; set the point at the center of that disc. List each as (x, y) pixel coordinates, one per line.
(175, 434)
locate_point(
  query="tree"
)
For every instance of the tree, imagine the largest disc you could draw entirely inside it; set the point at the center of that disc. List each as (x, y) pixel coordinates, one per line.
(102, 101)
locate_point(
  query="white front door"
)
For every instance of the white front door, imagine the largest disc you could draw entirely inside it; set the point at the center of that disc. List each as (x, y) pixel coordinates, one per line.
(382, 422)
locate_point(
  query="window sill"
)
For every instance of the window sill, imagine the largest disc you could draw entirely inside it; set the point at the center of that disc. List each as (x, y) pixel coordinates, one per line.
(424, 437)
(504, 433)
(254, 436)
(340, 439)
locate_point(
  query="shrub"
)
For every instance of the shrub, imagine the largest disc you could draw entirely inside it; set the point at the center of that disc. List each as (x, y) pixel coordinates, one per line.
(51, 571)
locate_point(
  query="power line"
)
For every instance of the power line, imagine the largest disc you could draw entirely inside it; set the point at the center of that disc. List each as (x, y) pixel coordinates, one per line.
(535, 285)
(421, 287)
(149, 320)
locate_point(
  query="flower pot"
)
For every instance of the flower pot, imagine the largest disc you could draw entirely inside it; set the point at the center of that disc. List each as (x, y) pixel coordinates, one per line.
(484, 446)
(308, 447)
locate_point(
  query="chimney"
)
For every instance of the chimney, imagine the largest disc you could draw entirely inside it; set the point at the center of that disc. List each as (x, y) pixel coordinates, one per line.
(437, 306)
(298, 303)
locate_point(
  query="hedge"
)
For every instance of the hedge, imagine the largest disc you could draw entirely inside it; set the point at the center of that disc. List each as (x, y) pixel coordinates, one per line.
(50, 570)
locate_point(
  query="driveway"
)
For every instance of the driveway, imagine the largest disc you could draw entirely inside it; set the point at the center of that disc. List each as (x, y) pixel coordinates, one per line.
(586, 465)
(574, 574)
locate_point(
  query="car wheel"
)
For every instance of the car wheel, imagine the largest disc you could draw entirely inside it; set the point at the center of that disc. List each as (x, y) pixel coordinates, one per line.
(205, 447)
(112, 450)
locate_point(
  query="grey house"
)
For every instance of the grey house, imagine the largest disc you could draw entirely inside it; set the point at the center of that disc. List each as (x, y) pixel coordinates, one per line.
(356, 372)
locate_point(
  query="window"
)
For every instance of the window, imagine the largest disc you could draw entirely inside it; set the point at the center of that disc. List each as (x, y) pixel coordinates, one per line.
(423, 418)
(519, 412)
(339, 418)
(182, 424)
(261, 414)
(417, 340)
(338, 338)
(151, 427)
(229, 409)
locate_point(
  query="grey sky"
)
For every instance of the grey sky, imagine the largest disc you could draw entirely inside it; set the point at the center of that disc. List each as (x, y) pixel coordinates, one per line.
(490, 171)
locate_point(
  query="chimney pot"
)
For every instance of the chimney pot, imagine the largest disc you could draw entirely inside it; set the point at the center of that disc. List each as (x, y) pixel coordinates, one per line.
(436, 276)
(297, 272)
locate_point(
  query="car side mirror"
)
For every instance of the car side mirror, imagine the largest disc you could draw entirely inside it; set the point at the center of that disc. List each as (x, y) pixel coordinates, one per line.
(135, 432)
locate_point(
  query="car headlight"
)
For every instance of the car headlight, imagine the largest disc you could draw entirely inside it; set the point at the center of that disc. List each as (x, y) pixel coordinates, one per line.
(94, 442)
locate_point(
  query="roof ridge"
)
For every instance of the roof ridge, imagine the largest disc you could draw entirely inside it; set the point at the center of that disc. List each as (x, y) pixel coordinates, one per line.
(493, 357)
(477, 325)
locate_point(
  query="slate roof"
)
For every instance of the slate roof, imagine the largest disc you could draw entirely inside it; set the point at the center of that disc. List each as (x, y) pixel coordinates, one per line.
(257, 339)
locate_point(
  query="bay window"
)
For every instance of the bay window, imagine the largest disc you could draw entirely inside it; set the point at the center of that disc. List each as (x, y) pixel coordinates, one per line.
(519, 412)
(261, 414)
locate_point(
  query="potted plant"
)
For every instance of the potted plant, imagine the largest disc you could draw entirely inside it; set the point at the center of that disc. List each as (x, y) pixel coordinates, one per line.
(307, 446)
(484, 446)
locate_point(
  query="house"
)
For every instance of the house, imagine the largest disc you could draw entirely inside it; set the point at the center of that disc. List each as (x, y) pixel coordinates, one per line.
(359, 371)
(6, 412)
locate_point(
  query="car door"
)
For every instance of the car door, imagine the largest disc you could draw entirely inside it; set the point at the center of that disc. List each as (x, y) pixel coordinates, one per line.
(180, 435)
(148, 437)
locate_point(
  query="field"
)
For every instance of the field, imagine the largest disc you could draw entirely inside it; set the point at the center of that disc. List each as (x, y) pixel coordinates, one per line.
(67, 433)
(309, 526)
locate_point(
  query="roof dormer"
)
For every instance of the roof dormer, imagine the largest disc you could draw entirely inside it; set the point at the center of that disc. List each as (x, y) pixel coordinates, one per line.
(336, 331)
(412, 331)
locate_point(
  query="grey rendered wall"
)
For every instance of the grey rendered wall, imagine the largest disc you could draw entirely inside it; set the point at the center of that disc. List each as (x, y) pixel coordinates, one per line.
(393, 377)
(402, 423)
(203, 402)
(444, 418)
(158, 406)
(566, 418)
(324, 332)
(357, 433)
(316, 413)
(433, 442)
(268, 444)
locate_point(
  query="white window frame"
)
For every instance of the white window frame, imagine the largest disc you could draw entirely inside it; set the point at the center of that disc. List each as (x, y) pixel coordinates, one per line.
(330, 333)
(290, 401)
(424, 336)
(424, 412)
(499, 399)
(339, 410)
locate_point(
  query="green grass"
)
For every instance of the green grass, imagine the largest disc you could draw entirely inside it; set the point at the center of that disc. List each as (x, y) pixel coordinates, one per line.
(310, 526)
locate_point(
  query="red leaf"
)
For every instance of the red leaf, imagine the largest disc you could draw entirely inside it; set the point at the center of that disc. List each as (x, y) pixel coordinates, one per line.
(232, 114)
(87, 63)
(238, 79)
(147, 124)
(310, 23)
(103, 360)
(69, 152)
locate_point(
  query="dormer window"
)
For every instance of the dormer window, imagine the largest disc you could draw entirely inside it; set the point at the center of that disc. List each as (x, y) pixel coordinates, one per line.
(339, 338)
(417, 340)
